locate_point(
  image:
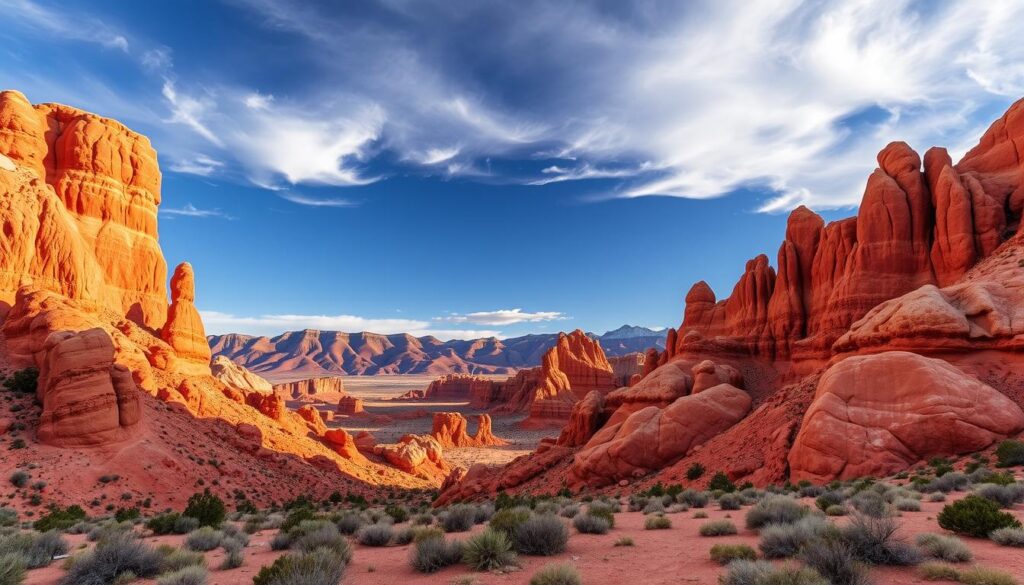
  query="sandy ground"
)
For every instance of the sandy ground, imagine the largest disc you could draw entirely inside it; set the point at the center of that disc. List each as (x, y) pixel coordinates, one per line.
(378, 394)
(659, 557)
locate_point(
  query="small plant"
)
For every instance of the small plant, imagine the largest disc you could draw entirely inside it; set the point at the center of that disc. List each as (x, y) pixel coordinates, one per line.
(204, 539)
(908, 505)
(723, 554)
(488, 551)
(835, 562)
(319, 567)
(938, 572)
(187, 576)
(207, 508)
(541, 536)
(657, 523)
(603, 510)
(60, 518)
(459, 518)
(163, 524)
(23, 381)
(179, 558)
(1008, 536)
(556, 574)
(720, 481)
(730, 502)
(747, 572)
(507, 519)
(972, 576)
(975, 516)
(876, 541)
(375, 535)
(433, 554)
(113, 558)
(19, 479)
(695, 472)
(624, 541)
(775, 510)
(717, 528)
(1009, 453)
(785, 540)
(12, 569)
(397, 513)
(349, 523)
(587, 524)
(945, 548)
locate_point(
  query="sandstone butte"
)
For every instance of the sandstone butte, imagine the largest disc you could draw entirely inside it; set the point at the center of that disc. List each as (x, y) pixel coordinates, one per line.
(124, 366)
(450, 430)
(872, 344)
(311, 388)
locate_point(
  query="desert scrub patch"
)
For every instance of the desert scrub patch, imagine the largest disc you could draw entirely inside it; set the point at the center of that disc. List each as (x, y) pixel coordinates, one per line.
(319, 567)
(193, 575)
(717, 528)
(785, 540)
(975, 516)
(507, 519)
(944, 548)
(433, 554)
(375, 535)
(723, 554)
(541, 536)
(556, 574)
(657, 523)
(1008, 536)
(589, 524)
(488, 550)
(204, 539)
(746, 572)
(775, 510)
(624, 541)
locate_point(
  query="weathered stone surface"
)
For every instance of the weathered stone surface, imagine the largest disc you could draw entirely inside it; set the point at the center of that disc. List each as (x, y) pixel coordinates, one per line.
(236, 376)
(350, 405)
(450, 430)
(876, 415)
(327, 386)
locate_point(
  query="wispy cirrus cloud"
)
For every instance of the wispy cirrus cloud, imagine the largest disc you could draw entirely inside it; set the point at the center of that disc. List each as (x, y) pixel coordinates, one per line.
(81, 28)
(503, 317)
(217, 322)
(200, 164)
(189, 210)
(316, 202)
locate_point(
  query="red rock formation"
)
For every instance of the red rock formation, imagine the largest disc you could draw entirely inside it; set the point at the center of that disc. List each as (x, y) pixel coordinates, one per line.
(313, 419)
(875, 415)
(344, 445)
(450, 429)
(624, 367)
(586, 418)
(87, 399)
(350, 405)
(419, 455)
(236, 376)
(330, 386)
(183, 330)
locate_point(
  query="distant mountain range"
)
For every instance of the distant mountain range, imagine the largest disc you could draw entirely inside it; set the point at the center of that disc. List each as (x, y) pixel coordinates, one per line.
(310, 353)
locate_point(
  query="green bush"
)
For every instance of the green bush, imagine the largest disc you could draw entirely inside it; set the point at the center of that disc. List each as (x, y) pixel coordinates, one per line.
(556, 574)
(507, 519)
(723, 554)
(207, 508)
(297, 516)
(179, 558)
(19, 479)
(720, 481)
(163, 523)
(730, 502)
(975, 516)
(459, 518)
(589, 524)
(23, 381)
(12, 569)
(541, 535)
(488, 550)
(602, 510)
(694, 472)
(433, 554)
(60, 518)
(204, 539)
(319, 567)
(126, 514)
(375, 535)
(397, 513)
(1009, 453)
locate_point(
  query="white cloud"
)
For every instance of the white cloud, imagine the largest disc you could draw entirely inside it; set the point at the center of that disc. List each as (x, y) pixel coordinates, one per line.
(315, 202)
(503, 317)
(74, 27)
(258, 101)
(201, 165)
(190, 210)
(557, 174)
(190, 111)
(435, 156)
(217, 322)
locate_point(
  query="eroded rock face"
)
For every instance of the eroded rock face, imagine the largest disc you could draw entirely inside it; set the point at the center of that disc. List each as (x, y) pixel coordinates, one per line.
(87, 399)
(183, 330)
(586, 418)
(876, 415)
(350, 405)
(653, 437)
(311, 388)
(314, 421)
(237, 376)
(450, 430)
(84, 221)
(420, 455)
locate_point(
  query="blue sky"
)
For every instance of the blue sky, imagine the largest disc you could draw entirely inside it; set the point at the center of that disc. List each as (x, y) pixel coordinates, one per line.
(478, 168)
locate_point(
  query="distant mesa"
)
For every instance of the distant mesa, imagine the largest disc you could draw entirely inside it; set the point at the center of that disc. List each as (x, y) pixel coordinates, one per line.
(331, 387)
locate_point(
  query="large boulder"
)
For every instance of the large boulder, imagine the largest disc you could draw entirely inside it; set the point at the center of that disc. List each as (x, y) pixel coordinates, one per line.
(653, 437)
(87, 398)
(236, 376)
(879, 414)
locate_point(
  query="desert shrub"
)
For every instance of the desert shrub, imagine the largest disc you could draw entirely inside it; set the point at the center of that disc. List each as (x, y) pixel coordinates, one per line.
(207, 508)
(834, 561)
(37, 549)
(937, 497)
(1008, 536)
(1009, 453)
(720, 481)
(828, 499)
(624, 541)
(12, 569)
(8, 517)
(507, 519)
(423, 519)
(717, 528)
(1004, 495)
(723, 554)
(938, 572)
(233, 558)
(204, 539)
(747, 572)
(297, 516)
(602, 510)
(425, 532)
(318, 567)
(188, 576)
(983, 576)
(775, 510)
(185, 524)
(870, 503)
(556, 574)
(179, 558)
(785, 540)
(483, 512)
(375, 535)
(908, 505)
(314, 534)
(876, 541)
(460, 518)
(488, 550)
(19, 479)
(953, 481)
(569, 511)
(975, 516)
(700, 514)
(693, 498)
(404, 536)
(695, 472)
(657, 523)
(836, 511)
(541, 536)
(349, 523)
(112, 558)
(280, 541)
(654, 507)
(126, 514)
(944, 548)
(397, 513)
(23, 381)
(730, 502)
(588, 524)
(58, 518)
(433, 554)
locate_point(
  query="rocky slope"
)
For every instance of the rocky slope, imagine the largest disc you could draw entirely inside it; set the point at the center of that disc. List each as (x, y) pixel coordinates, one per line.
(83, 298)
(309, 353)
(875, 343)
